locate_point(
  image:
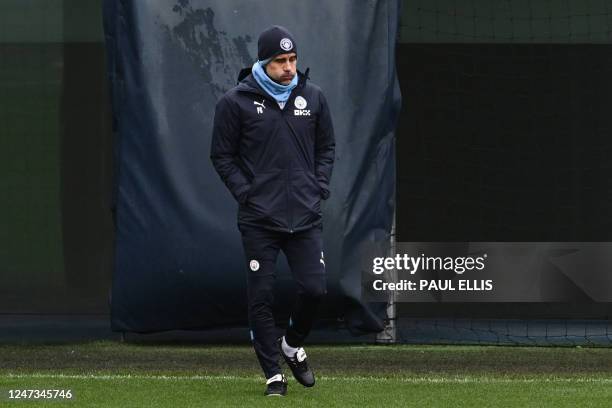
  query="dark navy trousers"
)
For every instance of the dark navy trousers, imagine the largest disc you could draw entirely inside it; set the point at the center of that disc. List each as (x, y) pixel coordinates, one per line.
(304, 252)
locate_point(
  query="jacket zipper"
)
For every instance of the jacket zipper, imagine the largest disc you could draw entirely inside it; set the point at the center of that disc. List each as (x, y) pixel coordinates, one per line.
(289, 212)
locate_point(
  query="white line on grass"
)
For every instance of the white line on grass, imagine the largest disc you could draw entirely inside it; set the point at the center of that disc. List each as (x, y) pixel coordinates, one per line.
(415, 380)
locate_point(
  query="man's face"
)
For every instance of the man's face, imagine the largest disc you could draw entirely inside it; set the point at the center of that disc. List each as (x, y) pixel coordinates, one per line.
(282, 68)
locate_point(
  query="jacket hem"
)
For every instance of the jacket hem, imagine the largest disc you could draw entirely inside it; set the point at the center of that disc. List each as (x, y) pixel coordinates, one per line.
(282, 229)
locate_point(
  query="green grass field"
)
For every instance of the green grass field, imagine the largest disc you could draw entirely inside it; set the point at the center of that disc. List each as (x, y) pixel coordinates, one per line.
(109, 374)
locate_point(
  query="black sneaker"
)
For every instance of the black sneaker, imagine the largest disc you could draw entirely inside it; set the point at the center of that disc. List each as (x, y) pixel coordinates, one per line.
(276, 386)
(298, 365)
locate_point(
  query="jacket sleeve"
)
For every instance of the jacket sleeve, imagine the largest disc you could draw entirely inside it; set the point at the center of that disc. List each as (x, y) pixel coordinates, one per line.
(224, 149)
(324, 148)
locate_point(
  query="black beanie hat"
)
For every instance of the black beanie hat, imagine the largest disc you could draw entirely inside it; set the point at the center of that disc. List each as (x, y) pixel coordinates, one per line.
(274, 41)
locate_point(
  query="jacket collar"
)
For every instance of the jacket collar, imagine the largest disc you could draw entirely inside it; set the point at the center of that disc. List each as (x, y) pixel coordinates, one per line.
(247, 83)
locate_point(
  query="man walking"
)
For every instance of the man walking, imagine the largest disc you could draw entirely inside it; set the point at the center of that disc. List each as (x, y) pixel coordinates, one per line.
(273, 147)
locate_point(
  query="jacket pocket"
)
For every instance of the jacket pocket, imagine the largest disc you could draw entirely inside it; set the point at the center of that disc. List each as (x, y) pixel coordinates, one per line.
(267, 197)
(305, 197)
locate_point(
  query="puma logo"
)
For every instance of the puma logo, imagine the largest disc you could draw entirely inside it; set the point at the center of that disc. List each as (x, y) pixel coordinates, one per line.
(260, 106)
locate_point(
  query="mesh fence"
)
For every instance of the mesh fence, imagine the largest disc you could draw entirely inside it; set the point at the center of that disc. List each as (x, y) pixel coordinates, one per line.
(523, 332)
(507, 21)
(504, 137)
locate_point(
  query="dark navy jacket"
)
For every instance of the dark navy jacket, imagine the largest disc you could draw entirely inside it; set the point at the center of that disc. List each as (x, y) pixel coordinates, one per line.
(276, 163)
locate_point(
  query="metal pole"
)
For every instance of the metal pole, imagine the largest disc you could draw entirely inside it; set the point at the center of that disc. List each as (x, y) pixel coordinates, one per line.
(389, 334)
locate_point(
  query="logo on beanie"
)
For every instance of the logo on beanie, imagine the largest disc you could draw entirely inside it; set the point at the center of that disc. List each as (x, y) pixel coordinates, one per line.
(286, 44)
(300, 102)
(254, 265)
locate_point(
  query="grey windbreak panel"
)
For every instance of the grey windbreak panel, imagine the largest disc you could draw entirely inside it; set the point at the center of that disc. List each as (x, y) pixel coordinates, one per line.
(179, 262)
